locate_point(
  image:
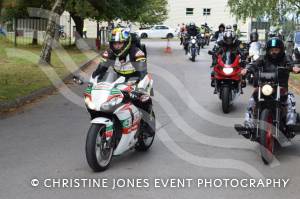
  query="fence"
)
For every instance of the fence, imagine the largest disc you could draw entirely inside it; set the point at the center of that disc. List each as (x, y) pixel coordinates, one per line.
(32, 31)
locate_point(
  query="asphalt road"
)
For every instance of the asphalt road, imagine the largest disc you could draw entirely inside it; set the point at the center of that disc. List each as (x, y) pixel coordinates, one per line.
(194, 140)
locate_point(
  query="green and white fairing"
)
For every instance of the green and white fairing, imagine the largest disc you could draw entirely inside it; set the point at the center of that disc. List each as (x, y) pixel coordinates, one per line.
(105, 97)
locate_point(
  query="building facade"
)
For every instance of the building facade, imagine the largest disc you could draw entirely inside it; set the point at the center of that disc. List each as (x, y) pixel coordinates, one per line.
(213, 12)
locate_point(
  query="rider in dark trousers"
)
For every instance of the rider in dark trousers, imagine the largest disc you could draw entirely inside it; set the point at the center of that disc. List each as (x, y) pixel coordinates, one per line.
(274, 57)
(192, 30)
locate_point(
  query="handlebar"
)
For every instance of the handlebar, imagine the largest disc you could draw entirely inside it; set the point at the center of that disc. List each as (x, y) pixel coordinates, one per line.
(211, 52)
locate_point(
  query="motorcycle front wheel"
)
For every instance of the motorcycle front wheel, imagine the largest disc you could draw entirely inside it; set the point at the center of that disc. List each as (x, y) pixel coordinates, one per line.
(193, 54)
(225, 97)
(98, 151)
(267, 141)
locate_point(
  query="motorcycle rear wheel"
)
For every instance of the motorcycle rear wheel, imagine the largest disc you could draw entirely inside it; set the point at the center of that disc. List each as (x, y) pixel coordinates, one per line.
(98, 153)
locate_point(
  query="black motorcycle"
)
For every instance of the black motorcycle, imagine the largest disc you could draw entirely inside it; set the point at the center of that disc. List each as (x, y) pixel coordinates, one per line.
(270, 129)
(202, 40)
(193, 47)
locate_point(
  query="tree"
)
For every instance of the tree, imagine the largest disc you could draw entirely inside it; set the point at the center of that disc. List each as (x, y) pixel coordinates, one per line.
(153, 12)
(79, 10)
(143, 11)
(18, 9)
(272, 9)
(51, 32)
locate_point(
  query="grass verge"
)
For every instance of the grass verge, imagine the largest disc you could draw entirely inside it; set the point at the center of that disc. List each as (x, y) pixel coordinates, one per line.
(20, 77)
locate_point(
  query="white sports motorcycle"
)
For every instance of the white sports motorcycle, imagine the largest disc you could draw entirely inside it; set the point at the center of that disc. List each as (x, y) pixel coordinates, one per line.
(117, 125)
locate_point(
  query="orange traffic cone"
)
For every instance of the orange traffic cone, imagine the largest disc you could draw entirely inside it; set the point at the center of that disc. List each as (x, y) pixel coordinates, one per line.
(168, 48)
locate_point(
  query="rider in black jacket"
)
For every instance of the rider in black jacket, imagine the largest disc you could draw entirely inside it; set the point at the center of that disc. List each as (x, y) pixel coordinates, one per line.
(229, 41)
(219, 33)
(275, 57)
(127, 60)
(192, 30)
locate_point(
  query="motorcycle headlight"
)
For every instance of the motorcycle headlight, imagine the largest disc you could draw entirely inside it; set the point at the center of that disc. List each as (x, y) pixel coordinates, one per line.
(227, 71)
(89, 103)
(193, 41)
(202, 35)
(267, 90)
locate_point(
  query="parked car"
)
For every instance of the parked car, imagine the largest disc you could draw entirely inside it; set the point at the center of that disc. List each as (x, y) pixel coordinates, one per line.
(157, 31)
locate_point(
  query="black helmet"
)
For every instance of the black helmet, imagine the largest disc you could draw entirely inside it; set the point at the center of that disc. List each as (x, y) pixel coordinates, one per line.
(229, 37)
(254, 37)
(275, 43)
(222, 26)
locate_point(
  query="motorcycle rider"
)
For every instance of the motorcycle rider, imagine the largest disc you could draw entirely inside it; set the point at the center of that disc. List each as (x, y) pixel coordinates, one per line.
(229, 41)
(126, 60)
(204, 28)
(182, 32)
(254, 40)
(275, 56)
(236, 30)
(254, 37)
(219, 33)
(192, 30)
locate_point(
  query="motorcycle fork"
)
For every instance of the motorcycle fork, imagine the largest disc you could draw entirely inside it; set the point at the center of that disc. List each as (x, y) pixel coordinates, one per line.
(216, 86)
(277, 121)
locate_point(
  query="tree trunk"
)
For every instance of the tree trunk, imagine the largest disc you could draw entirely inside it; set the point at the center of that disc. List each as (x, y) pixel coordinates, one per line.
(79, 23)
(52, 31)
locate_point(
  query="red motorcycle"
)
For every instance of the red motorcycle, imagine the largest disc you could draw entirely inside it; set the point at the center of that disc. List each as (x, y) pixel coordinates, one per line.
(227, 80)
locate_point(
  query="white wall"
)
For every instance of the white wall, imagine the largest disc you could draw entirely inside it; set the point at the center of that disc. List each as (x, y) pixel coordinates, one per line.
(220, 13)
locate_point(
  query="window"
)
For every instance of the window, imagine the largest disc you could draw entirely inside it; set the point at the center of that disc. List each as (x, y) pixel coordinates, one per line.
(189, 11)
(206, 11)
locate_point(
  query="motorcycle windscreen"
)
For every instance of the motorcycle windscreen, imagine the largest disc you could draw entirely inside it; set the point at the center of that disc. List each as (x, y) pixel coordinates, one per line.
(228, 57)
(110, 76)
